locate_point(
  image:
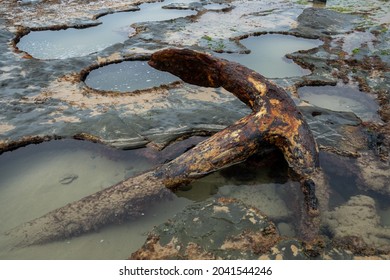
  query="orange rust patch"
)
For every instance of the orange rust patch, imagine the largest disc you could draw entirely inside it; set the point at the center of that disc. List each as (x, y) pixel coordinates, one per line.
(259, 86)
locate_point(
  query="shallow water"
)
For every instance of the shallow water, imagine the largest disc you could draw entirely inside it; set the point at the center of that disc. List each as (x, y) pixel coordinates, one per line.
(39, 178)
(342, 98)
(344, 181)
(262, 184)
(64, 182)
(267, 55)
(128, 76)
(114, 28)
(60, 171)
(137, 75)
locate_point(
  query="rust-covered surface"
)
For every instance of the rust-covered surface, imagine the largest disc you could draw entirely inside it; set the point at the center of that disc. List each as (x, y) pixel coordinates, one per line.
(274, 121)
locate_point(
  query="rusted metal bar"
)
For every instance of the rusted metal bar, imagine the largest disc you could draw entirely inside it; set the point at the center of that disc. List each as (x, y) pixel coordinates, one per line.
(275, 121)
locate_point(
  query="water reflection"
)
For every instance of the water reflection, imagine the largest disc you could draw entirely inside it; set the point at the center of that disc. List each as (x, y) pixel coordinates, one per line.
(260, 182)
(342, 98)
(114, 28)
(128, 76)
(39, 178)
(267, 55)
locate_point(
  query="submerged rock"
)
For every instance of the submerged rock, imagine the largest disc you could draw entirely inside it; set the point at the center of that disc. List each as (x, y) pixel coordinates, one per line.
(49, 98)
(375, 174)
(264, 197)
(317, 21)
(68, 179)
(221, 229)
(358, 217)
(229, 229)
(337, 131)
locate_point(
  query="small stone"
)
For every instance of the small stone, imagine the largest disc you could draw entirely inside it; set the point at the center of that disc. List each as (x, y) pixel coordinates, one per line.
(68, 179)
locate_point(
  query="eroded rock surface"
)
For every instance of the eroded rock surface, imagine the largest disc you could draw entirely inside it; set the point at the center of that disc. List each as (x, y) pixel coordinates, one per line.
(223, 229)
(229, 229)
(46, 99)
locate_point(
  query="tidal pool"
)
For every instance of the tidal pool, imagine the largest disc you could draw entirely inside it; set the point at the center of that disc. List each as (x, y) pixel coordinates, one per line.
(353, 208)
(39, 178)
(128, 76)
(267, 55)
(113, 28)
(342, 98)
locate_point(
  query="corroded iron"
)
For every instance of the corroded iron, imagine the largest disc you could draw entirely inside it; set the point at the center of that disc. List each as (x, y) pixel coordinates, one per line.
(274, 121)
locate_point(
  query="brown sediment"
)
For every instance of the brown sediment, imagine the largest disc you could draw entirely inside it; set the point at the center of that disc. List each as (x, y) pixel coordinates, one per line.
(315, 247)
(256, 242)
(153, 250)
